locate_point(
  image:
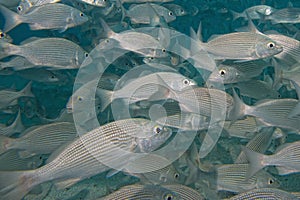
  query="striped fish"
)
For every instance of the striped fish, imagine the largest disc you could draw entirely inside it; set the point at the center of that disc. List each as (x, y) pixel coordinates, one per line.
(109, 144)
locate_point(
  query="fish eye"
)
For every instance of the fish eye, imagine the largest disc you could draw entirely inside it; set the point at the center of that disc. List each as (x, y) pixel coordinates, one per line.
(52, 77)
(222, 72)
(86, 55)
(81, 14)
(79, 98)
(164, 50)
(19, 8)
(2, 35)
(168, 197)
(271, 45)
(270, 181)
(186, 82)
(171, 13)
(157, 129)
(176, 175)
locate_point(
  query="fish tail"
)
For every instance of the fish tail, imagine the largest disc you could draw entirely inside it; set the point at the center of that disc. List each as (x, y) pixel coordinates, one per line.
(7, 49)
(12, 19)
(4, 143)
(16, 184)
(240, 109)
(235, 15)
(255, 161)
(105, 97)
(108, 32)
(26, 91)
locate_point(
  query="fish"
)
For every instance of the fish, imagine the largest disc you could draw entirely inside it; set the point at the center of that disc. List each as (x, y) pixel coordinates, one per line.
(233, 72)
(138, 42)
(242, 46)
(51, 52)
(26, 6)
(142, 14)
(176, 9)
(253, 12)
(16, 63)
(285, 15)
(100, 146)
(142, 192)
(10, 97)
(273, 112)
(53, 16)
(41, 139)
(232, 177)
(145, 88)
(290, 53)
(285, 159)
(264, 193)
(44, 75)
(259, 143)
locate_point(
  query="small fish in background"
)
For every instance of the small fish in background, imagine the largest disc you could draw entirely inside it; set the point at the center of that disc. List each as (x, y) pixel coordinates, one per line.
(176, 9)
(10, 97)
(233, 178)
(264, 193)
(40, 17)
(142, 14)
(286, 159)
(254, 12)
(50, 52)
(26, 6)
(285, 15)
(5, 37)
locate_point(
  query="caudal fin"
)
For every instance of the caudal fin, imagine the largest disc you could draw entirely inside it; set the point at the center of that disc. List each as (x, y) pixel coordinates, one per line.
(255, 161)
(12, 19)
(26, 91)
(15, 184)
(105, 97)
(7, 49)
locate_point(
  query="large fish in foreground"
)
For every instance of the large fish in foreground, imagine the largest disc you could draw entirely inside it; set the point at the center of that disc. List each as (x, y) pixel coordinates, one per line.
(84, 157)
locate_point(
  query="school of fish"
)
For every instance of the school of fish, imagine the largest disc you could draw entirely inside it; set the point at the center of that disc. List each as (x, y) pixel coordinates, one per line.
(149, 99)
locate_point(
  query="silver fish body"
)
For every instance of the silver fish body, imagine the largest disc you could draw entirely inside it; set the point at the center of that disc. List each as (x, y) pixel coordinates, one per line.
(242, 46)
(49, 16)
(51, 52)
(85, 156)
(285, 15)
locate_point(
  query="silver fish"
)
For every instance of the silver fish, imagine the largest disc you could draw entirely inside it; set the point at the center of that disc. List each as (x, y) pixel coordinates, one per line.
(264, 193)
(25, 5)
(142, 192)
(233, 72)
(50, 52)
(42, 139)
(145, 87)
(242, 46)
(232, 177)
(5, 37)
(136, 41)
(100, 145)
(285, 15)
(49, 16)
(286, 159)
(142, 14)
(176, 9)
(254, 12)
